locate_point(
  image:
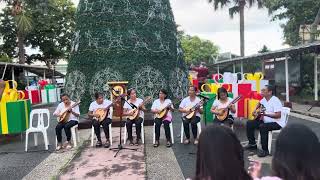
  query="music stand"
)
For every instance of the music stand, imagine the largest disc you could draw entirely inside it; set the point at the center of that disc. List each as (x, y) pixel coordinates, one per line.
(120, 146)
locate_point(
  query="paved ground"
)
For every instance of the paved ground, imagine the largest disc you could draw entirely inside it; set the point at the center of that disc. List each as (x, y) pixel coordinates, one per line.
(15, 163)
(177, 162)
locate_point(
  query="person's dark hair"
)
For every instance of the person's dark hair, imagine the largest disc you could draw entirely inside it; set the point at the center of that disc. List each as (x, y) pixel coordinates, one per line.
(164, 92)
(63, 95)
(98, 94)
(221, 90)
(220, 155)
(270, 88)
(130, 90)
(194, 88)
(297, 154)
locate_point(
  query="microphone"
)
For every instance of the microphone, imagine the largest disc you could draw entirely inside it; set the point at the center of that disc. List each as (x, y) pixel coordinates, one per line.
(202, 96)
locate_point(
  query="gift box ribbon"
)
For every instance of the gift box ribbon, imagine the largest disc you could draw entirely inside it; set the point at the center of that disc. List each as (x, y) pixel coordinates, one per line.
(258, 76)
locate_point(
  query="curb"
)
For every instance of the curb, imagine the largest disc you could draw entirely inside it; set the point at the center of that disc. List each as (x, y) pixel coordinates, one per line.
(306, 114)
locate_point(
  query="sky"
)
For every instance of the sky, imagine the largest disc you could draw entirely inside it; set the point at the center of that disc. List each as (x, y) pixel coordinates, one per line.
(197, 17)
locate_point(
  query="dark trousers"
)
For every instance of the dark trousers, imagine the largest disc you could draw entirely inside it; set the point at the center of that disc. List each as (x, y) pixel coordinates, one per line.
(194, 127)
(138, 123)
(166, 125)
(67, 129)
(229, 121)
(105, 125)
(264, 130)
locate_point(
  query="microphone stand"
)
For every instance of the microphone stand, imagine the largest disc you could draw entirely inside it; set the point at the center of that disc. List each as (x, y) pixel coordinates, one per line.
(205, 101)
(120, 146)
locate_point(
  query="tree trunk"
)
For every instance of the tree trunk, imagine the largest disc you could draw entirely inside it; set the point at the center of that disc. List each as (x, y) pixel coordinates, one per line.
(21, 54)
(314, 27)
(241, 6)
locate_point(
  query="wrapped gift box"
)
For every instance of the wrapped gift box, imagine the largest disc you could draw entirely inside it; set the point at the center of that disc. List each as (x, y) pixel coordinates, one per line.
(34, 96)
(208, 115)
(245, 91)
(14, 116)
(252, 104)
(49, 94)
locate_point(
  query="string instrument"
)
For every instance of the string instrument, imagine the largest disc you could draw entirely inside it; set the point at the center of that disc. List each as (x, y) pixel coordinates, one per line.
(65, 113)
(136, 110)
(259, 112)
(164, 109)
(103, 112)
(192, 109)
(224, 112)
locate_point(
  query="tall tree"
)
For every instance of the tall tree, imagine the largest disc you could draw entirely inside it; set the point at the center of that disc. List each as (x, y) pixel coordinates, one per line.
(237, 6)
(127, 40)
(197, 50)
(54, 22)
(264, 49)
(295, 14)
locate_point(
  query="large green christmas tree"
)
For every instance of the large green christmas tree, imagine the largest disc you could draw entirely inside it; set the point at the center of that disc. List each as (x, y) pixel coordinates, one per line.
(132, 40)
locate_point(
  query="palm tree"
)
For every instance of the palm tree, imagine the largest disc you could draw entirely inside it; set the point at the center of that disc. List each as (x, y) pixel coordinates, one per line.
(237, 6)
(23, 26)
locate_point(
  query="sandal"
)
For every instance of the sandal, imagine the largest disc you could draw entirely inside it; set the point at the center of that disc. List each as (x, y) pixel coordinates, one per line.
(131, 143)
(156, 144)
(169, 144)
(187, 141)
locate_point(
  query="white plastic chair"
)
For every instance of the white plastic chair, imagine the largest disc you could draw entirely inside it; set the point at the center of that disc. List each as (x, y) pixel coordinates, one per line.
(74, 135)
(133, 125)
(171, 132)
(93, 136)
(285, 112)
(39, 128)
(182, 131)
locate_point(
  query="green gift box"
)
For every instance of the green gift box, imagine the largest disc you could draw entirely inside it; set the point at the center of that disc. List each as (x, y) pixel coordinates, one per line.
(14, 116)
(208, 115)
(212, 96)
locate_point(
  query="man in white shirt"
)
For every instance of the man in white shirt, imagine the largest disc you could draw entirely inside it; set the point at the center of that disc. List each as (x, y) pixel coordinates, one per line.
(191, 101)
(101, 103)
(72, 121)
(270, 120)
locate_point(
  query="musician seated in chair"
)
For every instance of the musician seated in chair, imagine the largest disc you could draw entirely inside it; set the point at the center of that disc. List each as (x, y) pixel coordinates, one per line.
(186, 107)
(137, 103)
(266, 120)
(223, 108)
(69, 123)
(162, 106)
(104, 118)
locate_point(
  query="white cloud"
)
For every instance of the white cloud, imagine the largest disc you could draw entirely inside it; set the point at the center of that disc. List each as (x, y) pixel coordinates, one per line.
(199, 18)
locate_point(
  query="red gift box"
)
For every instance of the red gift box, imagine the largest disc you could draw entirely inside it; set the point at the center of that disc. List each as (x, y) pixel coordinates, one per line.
(34, 96)
(195, 83)
(228, 87)
(245, 91)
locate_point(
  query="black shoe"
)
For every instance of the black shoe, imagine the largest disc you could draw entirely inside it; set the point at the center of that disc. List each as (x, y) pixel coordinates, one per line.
(251, 147)
(99, 144)
(107, 144)
(263, 153)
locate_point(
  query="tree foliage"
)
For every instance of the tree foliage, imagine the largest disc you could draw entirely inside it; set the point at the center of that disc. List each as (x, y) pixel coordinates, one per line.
(197, 50)
(296, 13)
(53, 27)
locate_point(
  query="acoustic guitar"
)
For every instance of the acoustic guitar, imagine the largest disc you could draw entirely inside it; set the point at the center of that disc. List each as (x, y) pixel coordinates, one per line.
(163, 111)
(192, 109)
(136, 111)
(65, 113)
(224, 112)
(103, 112)
(259, 112)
